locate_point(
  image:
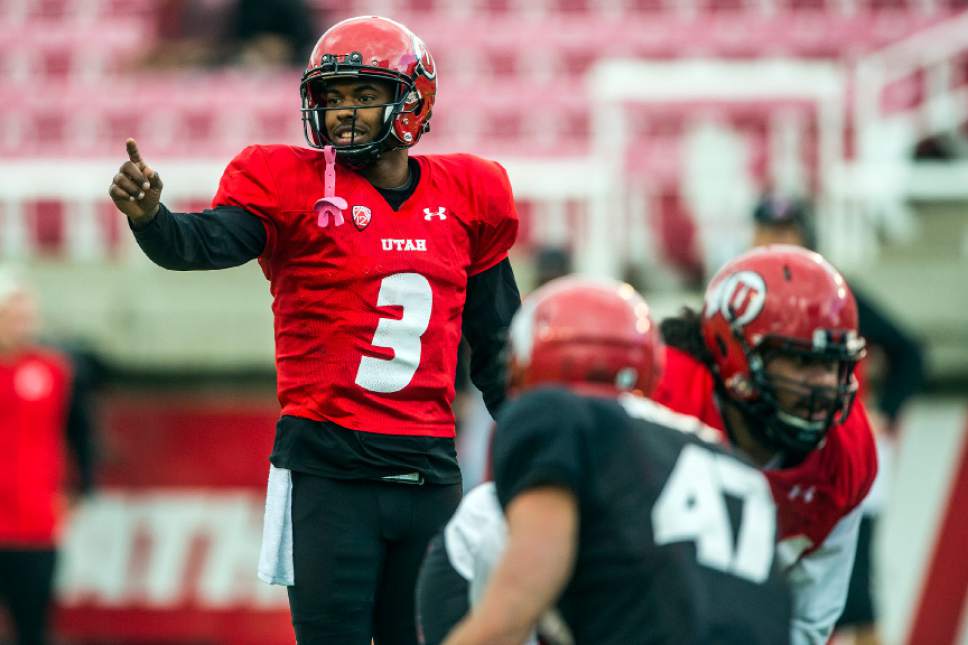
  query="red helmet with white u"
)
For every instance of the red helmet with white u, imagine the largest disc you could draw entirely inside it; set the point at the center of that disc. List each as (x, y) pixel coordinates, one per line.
(586, 332)
(370, 47)
(782, 300)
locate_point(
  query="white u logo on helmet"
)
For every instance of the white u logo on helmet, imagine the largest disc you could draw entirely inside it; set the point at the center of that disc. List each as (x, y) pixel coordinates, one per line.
(739, 298)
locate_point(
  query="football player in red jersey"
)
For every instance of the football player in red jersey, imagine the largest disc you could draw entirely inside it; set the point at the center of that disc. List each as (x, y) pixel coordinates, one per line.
(770, 362)
(377, 262)
(781, 219)
(621, 514)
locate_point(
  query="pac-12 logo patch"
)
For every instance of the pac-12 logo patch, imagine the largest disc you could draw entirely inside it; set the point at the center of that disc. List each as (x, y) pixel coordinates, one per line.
(361, 216)
(739, 298)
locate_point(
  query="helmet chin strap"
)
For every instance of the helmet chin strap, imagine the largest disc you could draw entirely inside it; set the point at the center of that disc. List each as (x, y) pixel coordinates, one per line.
(789, 433)
(368, 154)
(359, 158)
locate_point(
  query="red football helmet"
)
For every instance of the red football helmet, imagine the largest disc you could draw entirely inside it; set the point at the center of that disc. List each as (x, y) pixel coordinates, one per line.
(380, 49)
(782, 300)
(579, 331)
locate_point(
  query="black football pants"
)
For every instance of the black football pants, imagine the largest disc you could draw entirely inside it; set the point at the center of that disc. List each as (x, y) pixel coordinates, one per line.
(859, 611)
(26, 578)
(357, 548)
(442, 595)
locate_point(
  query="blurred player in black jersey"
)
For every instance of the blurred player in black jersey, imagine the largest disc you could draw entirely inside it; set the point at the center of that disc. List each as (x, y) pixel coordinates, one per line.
(623, 518)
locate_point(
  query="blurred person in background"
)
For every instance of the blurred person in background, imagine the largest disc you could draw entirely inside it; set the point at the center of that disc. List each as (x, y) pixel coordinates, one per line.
(551, 263)
(43, 416)
(787, 220)
(377, 262)
(617, 513)
(769, 362)
(249, 33)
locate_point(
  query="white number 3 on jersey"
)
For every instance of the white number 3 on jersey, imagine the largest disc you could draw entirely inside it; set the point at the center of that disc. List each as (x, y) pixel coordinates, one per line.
(692, 508)
(412, 292)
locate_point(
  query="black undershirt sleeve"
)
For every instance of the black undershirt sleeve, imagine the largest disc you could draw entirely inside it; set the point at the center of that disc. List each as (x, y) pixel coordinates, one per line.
(904, 372)
(492, 300)
(218, 238)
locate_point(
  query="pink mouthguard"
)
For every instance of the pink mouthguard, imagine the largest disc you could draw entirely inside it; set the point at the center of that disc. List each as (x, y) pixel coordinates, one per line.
(329, 204)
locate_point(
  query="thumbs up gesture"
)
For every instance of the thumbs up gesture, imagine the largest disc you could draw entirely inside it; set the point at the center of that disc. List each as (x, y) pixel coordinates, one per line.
(136, 188)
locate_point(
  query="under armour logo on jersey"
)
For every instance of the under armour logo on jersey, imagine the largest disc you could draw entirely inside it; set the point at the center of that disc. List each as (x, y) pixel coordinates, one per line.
(806, 494)
(441, 213)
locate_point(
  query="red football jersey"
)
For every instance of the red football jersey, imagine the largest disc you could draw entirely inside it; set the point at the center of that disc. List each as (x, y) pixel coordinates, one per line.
(368, 312)
(812, 496)
(34, 392)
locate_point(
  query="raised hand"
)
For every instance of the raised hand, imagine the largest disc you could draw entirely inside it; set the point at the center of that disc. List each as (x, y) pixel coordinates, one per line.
(136, 188)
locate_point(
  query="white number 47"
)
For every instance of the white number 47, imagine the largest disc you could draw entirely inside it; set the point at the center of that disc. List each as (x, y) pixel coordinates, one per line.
(691, 507)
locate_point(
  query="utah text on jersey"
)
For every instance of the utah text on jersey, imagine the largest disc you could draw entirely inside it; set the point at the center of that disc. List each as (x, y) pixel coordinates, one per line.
(390, 244)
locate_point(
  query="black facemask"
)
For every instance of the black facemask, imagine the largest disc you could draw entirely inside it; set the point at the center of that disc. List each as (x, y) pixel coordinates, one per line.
(815, 409)
(354, 155)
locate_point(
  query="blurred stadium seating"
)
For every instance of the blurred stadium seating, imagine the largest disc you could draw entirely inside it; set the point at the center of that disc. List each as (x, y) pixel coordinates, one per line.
(668, 174)
(637, 132)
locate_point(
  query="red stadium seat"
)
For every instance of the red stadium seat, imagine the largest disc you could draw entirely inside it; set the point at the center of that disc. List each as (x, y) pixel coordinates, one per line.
(512, 78)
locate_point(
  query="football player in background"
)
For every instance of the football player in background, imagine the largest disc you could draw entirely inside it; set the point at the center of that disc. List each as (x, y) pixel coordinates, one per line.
(770, 363)
(783, 220)
(376, 261)
(632, 522)
(43, 416)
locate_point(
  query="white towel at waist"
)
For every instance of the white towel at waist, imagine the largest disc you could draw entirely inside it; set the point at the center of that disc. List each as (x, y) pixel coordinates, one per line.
(275, 557)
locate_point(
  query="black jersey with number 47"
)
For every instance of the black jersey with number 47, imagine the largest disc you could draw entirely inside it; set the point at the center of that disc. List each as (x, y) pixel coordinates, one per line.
(677, 534)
